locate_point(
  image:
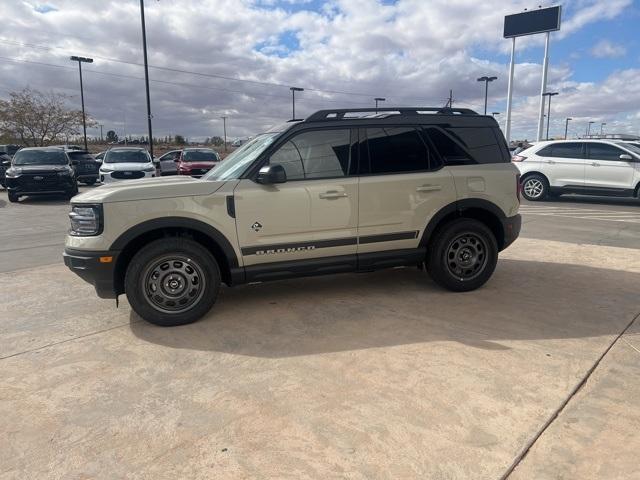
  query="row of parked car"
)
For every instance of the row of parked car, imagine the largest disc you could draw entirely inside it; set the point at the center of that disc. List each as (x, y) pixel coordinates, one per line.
(58, 169)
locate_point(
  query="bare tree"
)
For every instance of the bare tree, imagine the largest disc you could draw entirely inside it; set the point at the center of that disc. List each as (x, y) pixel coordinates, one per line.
(39, 119)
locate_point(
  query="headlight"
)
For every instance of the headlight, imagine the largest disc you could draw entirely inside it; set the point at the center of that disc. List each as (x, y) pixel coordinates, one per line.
(86, 220)
(150, 168)
(64, 173)
(104, 169)
(13, 173)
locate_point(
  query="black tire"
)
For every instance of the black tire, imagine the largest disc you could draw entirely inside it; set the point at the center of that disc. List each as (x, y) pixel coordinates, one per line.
(475, 255)
(535, 187)
(186, 264)
(13, 197)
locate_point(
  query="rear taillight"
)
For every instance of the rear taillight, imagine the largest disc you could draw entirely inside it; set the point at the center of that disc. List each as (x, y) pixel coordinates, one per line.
(518, 187)
(518, 158)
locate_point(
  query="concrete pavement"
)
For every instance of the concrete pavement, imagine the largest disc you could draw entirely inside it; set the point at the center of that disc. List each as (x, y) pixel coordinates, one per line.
(380, 375)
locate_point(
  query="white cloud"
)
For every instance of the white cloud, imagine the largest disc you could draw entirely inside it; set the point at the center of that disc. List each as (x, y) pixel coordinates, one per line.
(411, 52)
(607, 49)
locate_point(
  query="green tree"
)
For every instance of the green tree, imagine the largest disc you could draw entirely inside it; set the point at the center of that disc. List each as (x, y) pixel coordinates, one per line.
(112, 136)
(179, 140)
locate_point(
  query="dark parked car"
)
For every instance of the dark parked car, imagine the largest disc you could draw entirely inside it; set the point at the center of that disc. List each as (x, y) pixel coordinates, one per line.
(10, 149)
(40, 170)
(85, 166)
(5, 162)
(197, 161)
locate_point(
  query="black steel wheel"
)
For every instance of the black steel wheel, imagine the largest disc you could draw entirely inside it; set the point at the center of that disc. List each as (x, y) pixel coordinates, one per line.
(172, 281)
(462, 255)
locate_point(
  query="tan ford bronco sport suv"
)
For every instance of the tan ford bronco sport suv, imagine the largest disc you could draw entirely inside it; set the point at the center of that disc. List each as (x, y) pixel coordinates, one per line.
(342, 191)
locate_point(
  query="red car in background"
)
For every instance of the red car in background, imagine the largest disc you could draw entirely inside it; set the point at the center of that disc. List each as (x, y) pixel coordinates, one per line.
(196, 161)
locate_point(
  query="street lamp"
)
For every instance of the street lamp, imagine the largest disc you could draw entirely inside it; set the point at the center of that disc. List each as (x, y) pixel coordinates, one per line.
(589, 128)
(379, 99)
(224, 123)
(293, 99)
(80, 61)
(486, 81)
(566, 126)
(100, 125)
(146, 75)
(549, 94)
(495, 113)
(602, 129)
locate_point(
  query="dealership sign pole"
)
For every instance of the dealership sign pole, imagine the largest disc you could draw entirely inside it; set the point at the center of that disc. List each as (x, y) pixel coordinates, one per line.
(544, 20)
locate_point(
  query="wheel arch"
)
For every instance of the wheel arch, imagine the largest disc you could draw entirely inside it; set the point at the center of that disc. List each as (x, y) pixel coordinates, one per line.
(132, 240)
(524, 176)
(476, 208)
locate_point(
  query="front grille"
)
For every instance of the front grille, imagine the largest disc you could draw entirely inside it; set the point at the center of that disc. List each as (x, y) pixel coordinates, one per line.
(88, 167)
(127, 175)
(39, 181)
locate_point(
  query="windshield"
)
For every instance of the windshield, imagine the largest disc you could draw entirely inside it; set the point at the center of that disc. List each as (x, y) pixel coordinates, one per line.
(126, 156)
(199, 156)
(40, 157)
(630, 146)
(235, 164)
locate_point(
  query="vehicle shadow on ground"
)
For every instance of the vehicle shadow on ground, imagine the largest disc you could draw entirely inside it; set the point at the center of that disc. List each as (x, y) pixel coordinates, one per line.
(523, 301)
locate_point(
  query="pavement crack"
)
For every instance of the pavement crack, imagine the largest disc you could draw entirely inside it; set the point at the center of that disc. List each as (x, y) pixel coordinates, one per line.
(629, 343)
(529, 445)
(42, 347)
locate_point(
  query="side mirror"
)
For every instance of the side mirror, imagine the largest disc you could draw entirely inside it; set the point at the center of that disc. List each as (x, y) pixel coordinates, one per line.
(6, 163)
(270, 174)
(626, 156)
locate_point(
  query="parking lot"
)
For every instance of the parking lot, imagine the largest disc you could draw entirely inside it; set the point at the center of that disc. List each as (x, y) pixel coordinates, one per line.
(378, 375)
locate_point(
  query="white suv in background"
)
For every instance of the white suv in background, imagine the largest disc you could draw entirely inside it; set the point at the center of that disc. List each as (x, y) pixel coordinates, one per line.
(588, 167)
(126, 163)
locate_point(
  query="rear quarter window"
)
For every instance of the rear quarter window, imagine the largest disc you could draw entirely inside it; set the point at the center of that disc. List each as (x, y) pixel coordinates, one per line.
(468, 145)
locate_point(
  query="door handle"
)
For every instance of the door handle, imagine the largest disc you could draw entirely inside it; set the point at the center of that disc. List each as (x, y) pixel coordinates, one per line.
(332, 194)
(429, 188)
(595, 164)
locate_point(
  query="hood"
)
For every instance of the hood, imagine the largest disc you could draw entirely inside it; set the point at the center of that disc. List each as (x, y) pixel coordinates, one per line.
(41, 168)
(148, 189)
(133, 166)
(191, 165)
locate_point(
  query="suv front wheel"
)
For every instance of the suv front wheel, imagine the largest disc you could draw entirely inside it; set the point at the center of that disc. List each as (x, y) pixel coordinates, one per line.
(463, 255)
(172, 281)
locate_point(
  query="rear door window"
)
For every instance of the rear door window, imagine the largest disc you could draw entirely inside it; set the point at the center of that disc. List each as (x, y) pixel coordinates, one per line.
(563, 150)
(396, 150)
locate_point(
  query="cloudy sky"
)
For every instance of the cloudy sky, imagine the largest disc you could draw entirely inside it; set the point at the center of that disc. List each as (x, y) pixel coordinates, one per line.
(238, 58)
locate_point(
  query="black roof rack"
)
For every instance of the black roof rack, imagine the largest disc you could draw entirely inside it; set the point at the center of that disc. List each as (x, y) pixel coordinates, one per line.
(339, 114)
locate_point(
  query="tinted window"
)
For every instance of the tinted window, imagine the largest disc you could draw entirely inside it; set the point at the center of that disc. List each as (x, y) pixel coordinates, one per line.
(80, 156)
(562, 150)
(318, 154)
(450, 151)
(199, 156)
(40, 157)
(126, 156)
(602, 151)
(396, 150)
(480, 142)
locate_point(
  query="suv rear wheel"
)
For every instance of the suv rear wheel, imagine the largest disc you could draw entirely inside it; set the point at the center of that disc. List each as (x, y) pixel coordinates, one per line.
(172, 281)
(463, 255)
(535, 187)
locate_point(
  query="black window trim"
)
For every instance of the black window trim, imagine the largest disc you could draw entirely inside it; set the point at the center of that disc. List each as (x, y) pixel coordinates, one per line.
(454, 140)
(583, 149)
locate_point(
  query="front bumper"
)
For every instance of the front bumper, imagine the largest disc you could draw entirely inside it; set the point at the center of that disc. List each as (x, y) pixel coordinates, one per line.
(94, 268)
(22, 185)
(511, 226)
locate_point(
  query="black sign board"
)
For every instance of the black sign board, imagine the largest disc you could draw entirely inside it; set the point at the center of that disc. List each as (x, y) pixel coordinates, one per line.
(533, 21)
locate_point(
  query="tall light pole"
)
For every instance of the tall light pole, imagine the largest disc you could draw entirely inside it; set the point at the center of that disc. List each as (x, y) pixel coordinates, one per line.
(224, 126)
(293, 100)
(566, 126)
(602, 129)
(589, 128)
(549, 94)
(146, 75)
(100, 125)
(486, 81)
(379, 99)
(80, 61)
